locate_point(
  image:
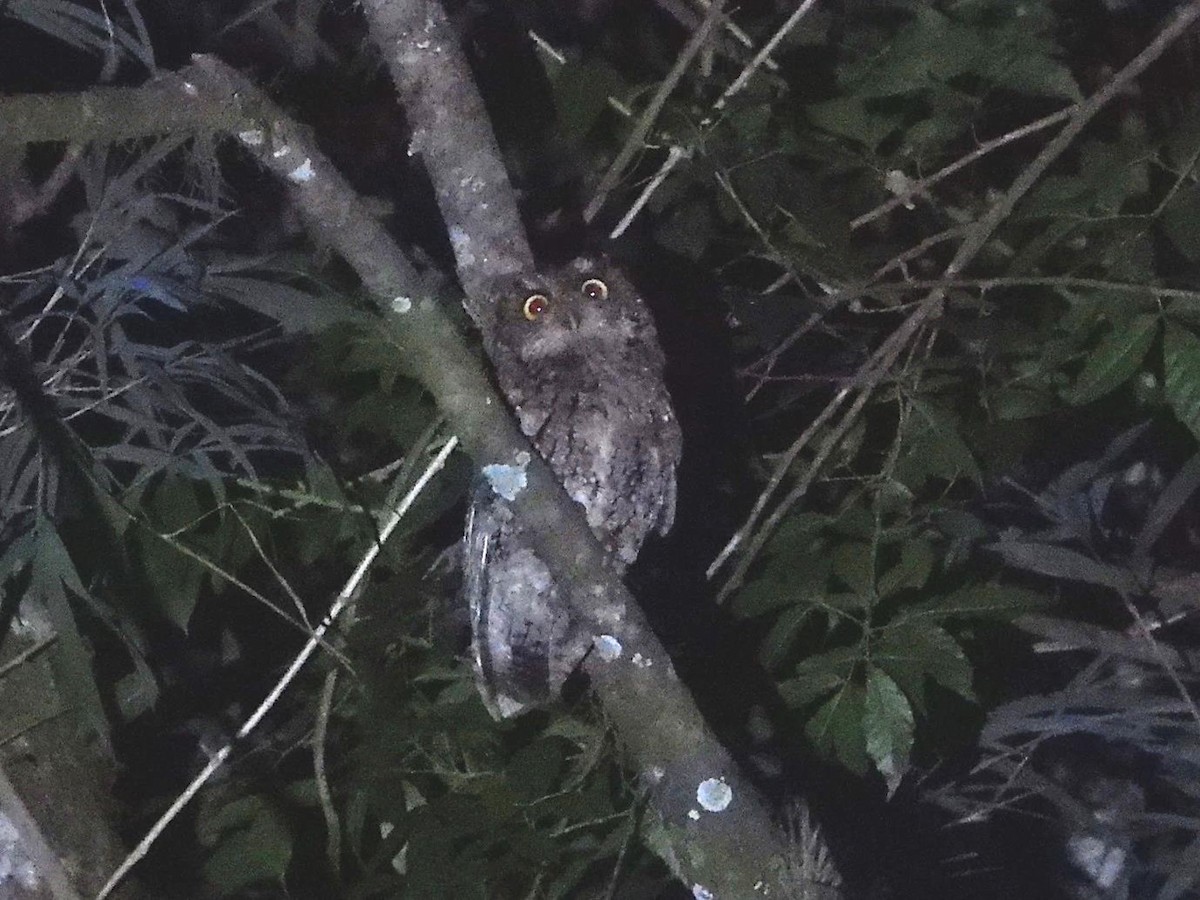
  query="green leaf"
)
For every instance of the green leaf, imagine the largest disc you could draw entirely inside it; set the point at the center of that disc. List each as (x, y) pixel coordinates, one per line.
(581, 92)
(1181, 223)
(1015, 402)
(848, 117)
(297, 311)
(799, 692)
(818, 675)
(1060, 562)
(1181, 368)
(887, 723)
(52, 575)
(763, 595)
(912, 571)
(910, 652)
(836, 729)
(688, 230)
(535, 769)
(960, 525)
(796, 571)
(854, 564)
(1039, 75)
(933, 448)
(251, 843)
(974, 600)
(750, 123)
(782, 636)
(174, 577)
(1114, 360)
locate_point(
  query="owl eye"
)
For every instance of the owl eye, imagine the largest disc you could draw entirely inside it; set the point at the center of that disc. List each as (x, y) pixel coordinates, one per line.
(535, 305)
(595, 289)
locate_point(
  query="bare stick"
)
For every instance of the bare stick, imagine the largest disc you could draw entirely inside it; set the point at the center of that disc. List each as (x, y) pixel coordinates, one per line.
(975, 238)
(982, 150)
(673, 157)
(348, 592)
(637, 136)
(333, 827)
(762, 55)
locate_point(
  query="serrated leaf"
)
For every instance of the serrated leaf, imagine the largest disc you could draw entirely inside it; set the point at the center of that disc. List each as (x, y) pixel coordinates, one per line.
(799, 692)
(819, 674)
(1181, 223)
(888, 724)
(1181, 370)
(782, 636)
(974, 600)
(910, 652)
(854, 564)
(251, 843)
(912, 571)
(933, 448)
(836, 729)
(1116, 358)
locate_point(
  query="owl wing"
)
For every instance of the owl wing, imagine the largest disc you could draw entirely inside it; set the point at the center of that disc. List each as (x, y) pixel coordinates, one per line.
(519, 630)
(669, 449)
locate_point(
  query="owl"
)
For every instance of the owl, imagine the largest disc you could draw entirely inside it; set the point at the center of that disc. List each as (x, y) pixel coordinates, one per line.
(576, 355)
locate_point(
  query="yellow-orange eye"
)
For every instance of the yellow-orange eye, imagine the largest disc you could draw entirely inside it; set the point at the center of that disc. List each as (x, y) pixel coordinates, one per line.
(535, 305)
(595, 289)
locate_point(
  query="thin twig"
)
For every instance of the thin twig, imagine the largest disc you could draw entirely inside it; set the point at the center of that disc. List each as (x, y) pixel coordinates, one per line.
(976, 237)
(867, 378)
(345, 596)
(637, 135)
(675, 154)
(781, 469)
(923, 185)
(1162, 656)
(740, 36)
(333, 827)
(762, 55)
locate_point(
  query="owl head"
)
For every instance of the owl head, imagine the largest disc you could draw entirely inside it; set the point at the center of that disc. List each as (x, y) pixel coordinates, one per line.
(578, 310)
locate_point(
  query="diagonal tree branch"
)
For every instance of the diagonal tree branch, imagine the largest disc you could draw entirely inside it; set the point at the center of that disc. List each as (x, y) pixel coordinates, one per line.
(452, 134)
(727, 848)
(710, 825)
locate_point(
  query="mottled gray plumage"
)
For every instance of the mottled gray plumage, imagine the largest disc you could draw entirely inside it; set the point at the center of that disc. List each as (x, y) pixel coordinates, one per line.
(576, 354)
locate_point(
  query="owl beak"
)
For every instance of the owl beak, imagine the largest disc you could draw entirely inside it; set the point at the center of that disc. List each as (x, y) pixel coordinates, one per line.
(574, 320)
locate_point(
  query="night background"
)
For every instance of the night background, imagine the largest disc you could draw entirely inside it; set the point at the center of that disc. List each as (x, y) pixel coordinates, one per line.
(926, 279)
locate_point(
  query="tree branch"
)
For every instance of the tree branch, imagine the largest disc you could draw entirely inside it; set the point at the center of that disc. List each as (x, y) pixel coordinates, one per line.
(728, 848)
(452, 133)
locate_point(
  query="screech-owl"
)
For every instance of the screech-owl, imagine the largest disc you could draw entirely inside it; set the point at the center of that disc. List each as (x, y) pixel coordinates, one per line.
(576, 354)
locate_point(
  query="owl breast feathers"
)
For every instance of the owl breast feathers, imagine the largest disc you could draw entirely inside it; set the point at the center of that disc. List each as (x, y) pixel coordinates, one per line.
(576, 354)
